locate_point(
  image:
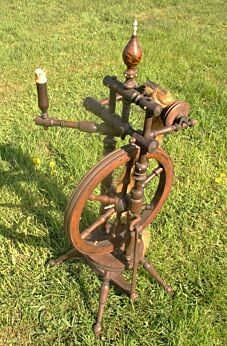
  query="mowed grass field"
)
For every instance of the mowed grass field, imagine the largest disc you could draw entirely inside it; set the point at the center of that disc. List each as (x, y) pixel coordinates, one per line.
(78, 43)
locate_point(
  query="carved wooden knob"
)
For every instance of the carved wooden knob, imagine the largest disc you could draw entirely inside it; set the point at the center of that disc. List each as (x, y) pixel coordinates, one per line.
(41, 83)
(132, 52)
(132, 55)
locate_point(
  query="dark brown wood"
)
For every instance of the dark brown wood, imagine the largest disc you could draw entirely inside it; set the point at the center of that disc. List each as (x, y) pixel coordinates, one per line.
(43, 102)
(154, 174)
(41, 85)
(132, 95)
(132, 55)
(103, 297)
(77, 202)
(110, 236)
(136, 258)
(101, 220)
(71, 254)
(153, 272)
(140, 174)
(104, 199)
(84, 126)
(170, 113)
(127, 178)
(115, 121)
(109, 145)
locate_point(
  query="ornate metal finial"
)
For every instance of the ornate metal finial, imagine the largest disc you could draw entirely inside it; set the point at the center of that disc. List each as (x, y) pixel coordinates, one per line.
(132, 55)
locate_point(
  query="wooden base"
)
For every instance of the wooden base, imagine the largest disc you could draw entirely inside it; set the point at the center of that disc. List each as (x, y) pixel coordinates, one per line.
(111, 266)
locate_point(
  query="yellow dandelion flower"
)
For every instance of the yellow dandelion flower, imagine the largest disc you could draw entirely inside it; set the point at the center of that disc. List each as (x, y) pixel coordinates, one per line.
(52, 164)
(36, 161)
(53, 171)
(218, 180)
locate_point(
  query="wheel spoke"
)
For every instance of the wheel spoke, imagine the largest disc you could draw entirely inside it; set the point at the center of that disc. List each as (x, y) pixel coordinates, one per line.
(104, 199)
(154, 174)
(111, 219)
(101, 220)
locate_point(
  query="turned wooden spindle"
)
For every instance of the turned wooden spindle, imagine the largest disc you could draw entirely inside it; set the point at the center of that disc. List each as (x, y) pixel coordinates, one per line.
(132, 55)
(41, 83)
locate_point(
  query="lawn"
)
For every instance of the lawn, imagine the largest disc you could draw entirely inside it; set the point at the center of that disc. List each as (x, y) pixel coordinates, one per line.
(78, 43)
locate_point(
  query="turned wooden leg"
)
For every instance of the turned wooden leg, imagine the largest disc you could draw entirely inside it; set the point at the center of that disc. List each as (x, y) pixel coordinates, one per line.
(103, 297)
(72, 253)
(153, 272)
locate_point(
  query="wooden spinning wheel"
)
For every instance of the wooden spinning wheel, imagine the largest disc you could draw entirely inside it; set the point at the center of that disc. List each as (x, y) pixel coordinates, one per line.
(92, 240)
(121, 195)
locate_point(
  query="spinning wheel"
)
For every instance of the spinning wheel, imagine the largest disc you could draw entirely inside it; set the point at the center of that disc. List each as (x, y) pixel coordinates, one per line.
(98, 240)
(121, 195)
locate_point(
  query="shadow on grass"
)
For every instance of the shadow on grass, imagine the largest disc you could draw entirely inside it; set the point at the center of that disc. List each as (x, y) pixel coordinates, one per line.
(38, 195)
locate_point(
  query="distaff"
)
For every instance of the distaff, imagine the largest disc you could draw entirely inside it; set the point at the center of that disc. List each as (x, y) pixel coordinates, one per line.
(45, 121)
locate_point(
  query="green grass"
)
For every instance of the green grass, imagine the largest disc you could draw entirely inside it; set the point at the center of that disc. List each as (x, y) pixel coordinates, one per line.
(79, 42)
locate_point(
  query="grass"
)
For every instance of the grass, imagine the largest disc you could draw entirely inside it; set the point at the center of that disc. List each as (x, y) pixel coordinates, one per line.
(184, 45)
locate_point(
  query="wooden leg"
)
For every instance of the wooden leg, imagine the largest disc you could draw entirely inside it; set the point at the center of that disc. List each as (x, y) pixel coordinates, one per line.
(73, 253)
(153, 272)
(103, 297)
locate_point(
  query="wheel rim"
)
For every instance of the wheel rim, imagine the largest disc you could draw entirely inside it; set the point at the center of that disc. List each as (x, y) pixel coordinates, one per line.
(77, 203)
